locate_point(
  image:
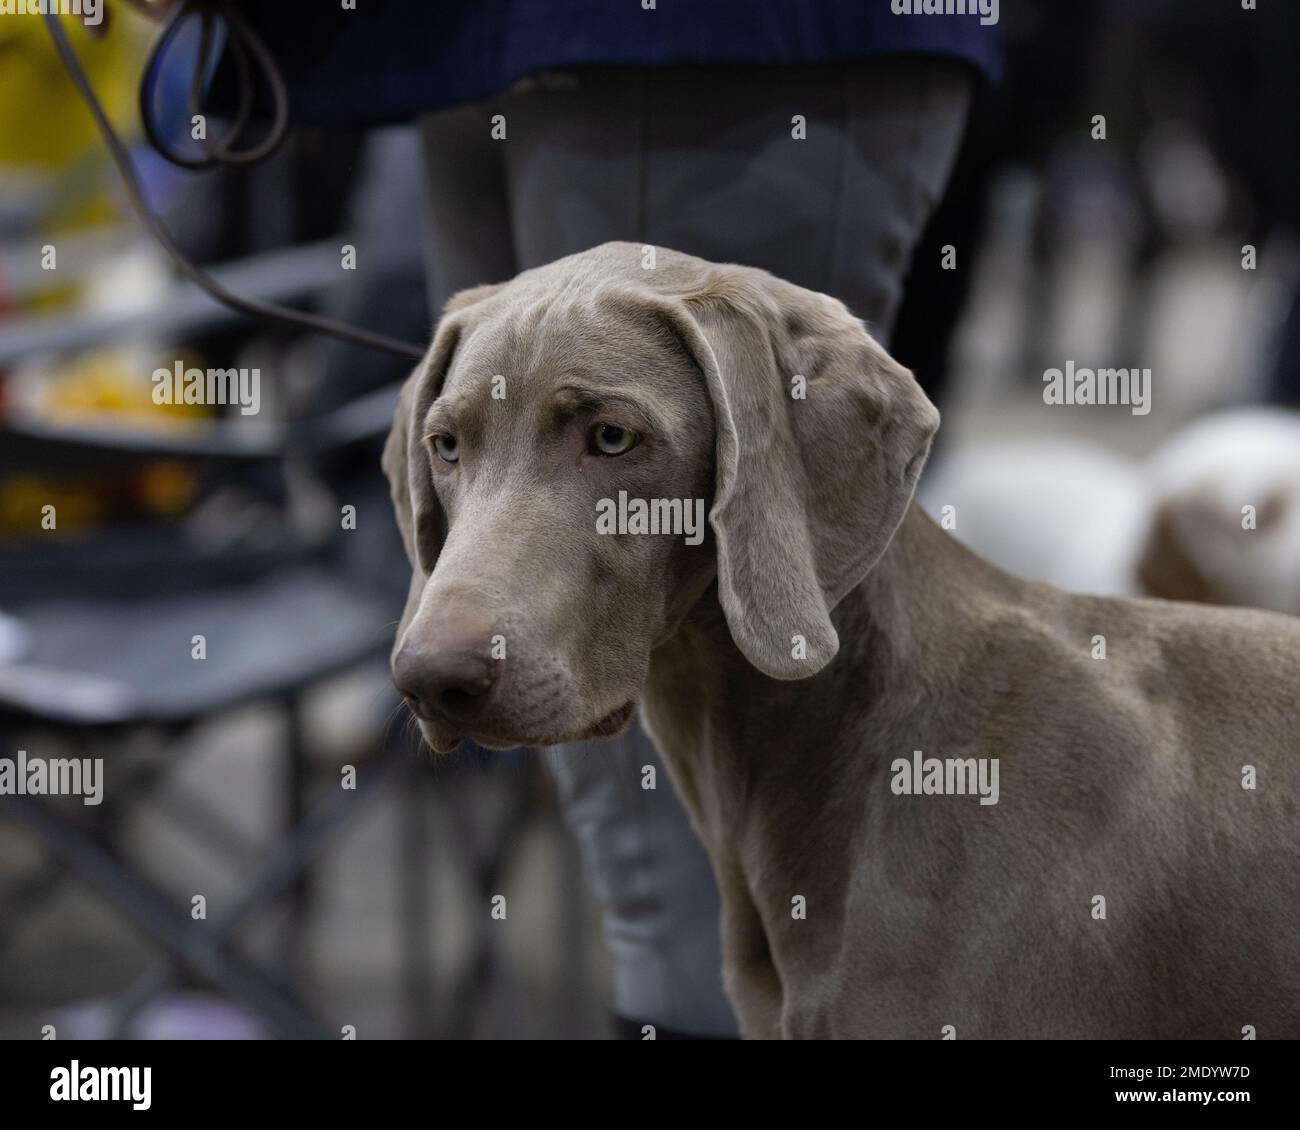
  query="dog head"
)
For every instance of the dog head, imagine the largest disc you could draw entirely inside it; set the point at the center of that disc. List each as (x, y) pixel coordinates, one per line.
(559, 416)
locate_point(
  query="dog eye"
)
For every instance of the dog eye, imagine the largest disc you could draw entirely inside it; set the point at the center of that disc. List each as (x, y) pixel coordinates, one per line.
(610, 439)
(447, 447)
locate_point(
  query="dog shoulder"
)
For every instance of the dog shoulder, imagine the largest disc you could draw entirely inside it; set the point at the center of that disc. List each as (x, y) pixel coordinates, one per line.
(1208, 675)
(1171, 672)
(1243, 645)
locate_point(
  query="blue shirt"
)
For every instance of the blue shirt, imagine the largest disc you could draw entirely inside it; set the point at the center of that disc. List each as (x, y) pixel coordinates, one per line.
(391, 59)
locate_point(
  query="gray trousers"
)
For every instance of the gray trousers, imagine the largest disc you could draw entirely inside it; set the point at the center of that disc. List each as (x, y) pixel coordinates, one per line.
(823, 174)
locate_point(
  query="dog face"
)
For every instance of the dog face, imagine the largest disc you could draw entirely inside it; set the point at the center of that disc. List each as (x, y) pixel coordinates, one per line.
(540, 626)
(550, 407)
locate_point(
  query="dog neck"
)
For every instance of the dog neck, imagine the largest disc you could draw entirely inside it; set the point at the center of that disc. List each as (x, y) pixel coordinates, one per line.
(720, 723)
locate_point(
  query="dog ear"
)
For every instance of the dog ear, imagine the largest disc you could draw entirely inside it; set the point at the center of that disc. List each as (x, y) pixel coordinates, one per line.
(821, 436)
(406, 455)
(406, 458)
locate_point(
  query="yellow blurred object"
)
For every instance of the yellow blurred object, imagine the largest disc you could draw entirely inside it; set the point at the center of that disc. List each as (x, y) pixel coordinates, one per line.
(43, 120)
(82, 501)
(109, 383)
(168, 489)
(52, 153)
(22, 498)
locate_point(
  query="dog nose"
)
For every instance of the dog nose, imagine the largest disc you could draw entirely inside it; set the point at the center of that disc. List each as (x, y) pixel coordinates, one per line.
(449, 670)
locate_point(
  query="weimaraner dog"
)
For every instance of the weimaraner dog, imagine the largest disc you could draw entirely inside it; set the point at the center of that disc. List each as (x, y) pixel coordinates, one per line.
(940, 801)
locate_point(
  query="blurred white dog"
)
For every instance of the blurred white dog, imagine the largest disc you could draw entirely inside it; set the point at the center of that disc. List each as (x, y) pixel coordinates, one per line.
(1213, 515)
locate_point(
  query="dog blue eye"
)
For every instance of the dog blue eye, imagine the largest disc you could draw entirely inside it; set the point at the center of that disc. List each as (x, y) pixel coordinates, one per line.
(610, 439)
(447, 447)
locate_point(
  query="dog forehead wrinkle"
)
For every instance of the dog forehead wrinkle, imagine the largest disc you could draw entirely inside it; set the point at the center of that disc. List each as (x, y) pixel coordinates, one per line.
(583, 361)
(662, 415)
(632, 360)
(492, 342)
(505, 359)
(443, 415)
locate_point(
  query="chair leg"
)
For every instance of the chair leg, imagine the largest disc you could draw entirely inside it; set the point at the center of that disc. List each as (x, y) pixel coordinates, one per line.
(414, 850)
(25, 896)
(155, 913)
(297, 783)
(209, 950)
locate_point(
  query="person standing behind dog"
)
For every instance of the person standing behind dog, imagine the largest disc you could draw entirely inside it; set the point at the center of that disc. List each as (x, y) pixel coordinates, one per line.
(809, 139)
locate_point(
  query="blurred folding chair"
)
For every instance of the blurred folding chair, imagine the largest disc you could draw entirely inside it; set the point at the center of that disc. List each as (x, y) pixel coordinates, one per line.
(106, 625)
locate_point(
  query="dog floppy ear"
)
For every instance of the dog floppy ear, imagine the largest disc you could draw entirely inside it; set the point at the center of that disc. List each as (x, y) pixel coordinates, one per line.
(406, 455)
(406, 458)
(821, 436)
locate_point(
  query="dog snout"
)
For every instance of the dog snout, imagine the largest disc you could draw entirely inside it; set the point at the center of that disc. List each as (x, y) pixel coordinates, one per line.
(447, 670)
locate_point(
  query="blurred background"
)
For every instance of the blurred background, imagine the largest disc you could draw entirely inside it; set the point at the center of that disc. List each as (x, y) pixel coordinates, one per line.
(347, 877)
